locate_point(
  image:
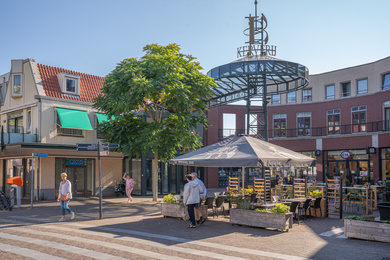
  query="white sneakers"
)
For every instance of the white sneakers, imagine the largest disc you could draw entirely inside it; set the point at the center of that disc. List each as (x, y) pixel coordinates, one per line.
(63, 219)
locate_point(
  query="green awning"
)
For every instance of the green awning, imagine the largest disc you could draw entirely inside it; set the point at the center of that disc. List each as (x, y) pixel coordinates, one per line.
(76, 119)
(103, 117)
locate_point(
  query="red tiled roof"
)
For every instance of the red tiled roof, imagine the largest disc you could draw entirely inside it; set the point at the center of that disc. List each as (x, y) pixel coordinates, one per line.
(90, 85)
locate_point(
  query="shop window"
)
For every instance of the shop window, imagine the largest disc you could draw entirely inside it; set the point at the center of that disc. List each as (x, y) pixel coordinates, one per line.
(329, 92)
(276, 99)
(306, 95)
(292, 97)
(346, 89)
(386, 81)
(333, 121)
(359, 119)
(17, 85)
(280, 125)
(303, 124)
(362, 86)
(386, 115)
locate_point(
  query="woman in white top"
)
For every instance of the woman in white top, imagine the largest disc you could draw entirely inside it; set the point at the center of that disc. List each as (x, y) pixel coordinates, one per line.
(65, 190)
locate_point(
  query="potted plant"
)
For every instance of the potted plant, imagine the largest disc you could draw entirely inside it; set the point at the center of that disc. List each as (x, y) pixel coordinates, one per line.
(367, 228)
(316, 193)
(278, 217)
(172, 208)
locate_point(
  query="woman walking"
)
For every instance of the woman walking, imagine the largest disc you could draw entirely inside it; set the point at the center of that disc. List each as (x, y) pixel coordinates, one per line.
(129, 186)
(191, 198)
(64, 196)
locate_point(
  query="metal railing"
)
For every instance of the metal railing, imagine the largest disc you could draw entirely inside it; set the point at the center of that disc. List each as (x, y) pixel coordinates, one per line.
(18, 136)
(379, 126)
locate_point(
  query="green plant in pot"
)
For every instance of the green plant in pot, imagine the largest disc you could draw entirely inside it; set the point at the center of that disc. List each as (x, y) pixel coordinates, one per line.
(316, 194)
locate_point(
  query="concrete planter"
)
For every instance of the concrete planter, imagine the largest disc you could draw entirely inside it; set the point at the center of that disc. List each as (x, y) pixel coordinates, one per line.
(279, 221)
(174, 210)
(375, 231)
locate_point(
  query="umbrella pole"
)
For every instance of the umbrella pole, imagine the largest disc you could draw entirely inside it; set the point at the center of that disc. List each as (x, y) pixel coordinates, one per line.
(243, 175)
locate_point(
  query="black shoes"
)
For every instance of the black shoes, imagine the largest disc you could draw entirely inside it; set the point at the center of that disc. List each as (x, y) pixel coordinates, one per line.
(201, 221)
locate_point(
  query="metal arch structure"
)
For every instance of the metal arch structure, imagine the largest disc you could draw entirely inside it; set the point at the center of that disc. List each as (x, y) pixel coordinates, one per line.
(256, 75)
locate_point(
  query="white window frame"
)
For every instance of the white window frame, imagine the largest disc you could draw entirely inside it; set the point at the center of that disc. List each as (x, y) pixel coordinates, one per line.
(383, 81)
(20, 87)
(29, 121)
(63, 77)
(311, 95)
(357, 86)
(342, 90)
(326, 92)
(294, 98)
(274, 101)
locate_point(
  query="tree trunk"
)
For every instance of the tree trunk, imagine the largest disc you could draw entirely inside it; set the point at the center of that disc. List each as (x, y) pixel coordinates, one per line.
(155, 177)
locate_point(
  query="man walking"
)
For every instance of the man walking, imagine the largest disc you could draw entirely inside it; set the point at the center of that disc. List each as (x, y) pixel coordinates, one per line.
(199, 219)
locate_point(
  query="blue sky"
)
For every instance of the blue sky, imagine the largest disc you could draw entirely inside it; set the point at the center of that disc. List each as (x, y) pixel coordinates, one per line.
(93, 36)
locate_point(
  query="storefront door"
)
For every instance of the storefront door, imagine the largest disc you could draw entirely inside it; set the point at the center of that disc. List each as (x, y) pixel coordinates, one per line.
(77, 176)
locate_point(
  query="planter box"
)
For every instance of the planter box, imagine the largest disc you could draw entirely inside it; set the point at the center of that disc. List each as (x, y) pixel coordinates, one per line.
(174, 210)
(384, 210)
(252, 218)
(375, 231)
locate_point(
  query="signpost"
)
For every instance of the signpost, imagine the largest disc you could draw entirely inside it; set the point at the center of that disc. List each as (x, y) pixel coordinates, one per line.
(101, 149)
(32, 174)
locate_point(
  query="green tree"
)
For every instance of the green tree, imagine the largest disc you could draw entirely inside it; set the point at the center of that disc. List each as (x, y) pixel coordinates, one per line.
(156, 102)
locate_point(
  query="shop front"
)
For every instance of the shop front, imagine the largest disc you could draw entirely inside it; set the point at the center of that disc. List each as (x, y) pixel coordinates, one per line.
(80, 173)
(356, 166)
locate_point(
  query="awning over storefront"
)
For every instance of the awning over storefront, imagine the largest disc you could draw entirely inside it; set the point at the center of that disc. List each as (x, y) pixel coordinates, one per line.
(103, 118)
(75, 119)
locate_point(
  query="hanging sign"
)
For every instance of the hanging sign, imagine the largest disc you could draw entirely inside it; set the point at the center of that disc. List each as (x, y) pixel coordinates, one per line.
(345, 154)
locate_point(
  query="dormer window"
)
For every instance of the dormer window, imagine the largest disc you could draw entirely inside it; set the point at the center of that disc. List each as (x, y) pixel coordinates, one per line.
(70, 84)
(17, 85)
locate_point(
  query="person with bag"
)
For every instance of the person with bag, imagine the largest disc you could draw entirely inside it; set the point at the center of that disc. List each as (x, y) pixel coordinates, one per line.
(64, 196)
(191, 198)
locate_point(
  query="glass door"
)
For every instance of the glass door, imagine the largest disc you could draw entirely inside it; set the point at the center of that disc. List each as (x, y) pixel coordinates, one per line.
(77, 176)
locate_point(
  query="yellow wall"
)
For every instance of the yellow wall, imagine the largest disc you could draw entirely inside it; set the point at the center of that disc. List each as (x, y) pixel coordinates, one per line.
(111, 169)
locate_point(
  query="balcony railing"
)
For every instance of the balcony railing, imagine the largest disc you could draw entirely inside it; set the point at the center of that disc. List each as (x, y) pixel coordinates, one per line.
(369, 127)
(19, 137)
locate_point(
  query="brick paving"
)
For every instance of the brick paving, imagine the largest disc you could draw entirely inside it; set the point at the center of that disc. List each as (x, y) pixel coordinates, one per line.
(138, 231)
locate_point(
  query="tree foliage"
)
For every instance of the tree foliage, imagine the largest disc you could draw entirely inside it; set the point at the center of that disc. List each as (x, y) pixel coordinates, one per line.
(156, 102)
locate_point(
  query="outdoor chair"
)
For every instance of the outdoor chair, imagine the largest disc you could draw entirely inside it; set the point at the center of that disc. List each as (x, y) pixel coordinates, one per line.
(293, 209)
(210, 204)
(275, 198)
(303, 210)
(285, 196)
(219, 204)
(252, 198)
(317, 205)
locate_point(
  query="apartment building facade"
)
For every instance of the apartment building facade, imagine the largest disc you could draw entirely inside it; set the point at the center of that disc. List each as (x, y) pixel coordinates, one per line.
(342, 119)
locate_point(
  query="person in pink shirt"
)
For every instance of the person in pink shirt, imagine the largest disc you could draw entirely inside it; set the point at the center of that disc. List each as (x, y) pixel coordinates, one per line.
(129, 186)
